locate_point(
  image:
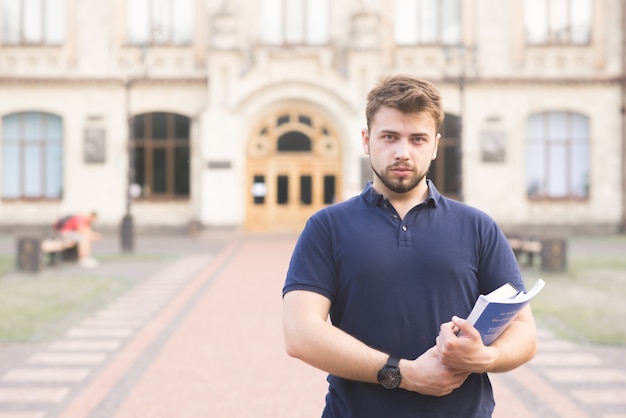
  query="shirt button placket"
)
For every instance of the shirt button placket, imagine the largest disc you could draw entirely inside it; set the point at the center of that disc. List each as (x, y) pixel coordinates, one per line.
(404, 236)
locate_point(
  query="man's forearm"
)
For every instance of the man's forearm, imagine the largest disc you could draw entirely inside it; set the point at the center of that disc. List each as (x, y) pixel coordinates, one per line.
(310, 337)
(516, 346)
(332, 350)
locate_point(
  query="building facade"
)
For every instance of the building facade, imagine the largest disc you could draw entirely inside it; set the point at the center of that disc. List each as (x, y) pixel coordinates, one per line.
(247, 114)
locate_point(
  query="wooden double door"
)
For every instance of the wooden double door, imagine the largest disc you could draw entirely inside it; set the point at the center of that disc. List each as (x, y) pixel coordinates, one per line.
(294, 169)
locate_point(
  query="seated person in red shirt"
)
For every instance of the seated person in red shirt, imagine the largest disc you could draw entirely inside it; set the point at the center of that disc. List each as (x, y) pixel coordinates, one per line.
(78, 228)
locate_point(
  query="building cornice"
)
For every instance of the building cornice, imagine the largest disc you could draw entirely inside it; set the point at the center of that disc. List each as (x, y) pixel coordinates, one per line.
(532, 81)
(65, 81)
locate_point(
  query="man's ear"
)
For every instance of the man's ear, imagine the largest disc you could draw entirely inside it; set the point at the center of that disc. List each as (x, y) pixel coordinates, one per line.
(365, 141)
(437, 138)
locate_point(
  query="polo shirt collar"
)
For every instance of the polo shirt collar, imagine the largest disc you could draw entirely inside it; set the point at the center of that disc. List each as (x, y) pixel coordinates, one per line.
(377, 199)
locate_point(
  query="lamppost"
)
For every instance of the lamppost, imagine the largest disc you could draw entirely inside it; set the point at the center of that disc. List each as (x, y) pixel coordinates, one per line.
(127, 228)
(464, 56)
(623, 112)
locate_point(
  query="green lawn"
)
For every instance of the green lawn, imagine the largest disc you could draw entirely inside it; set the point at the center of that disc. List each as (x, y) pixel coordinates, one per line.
(39, 306)
(6, 264)
(587, 303)
(36, 307)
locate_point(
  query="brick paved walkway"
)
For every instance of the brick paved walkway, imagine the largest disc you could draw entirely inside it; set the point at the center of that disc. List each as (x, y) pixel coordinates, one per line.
(201, 337)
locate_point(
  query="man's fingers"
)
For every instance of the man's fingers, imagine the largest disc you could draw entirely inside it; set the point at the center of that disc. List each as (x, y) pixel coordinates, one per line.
(463, 326)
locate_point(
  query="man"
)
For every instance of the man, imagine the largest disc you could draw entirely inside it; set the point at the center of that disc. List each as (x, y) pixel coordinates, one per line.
(78, 228)
(396, 269)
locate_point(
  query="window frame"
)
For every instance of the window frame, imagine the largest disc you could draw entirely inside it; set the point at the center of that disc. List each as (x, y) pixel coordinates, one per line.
(566, 32)
(546, 138)
(148, 143)
(34, 26)
(444, 29)
(278, 29)
(178, 30)
(45, 144)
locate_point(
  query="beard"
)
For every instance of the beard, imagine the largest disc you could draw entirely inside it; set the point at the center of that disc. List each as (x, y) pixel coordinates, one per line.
(402, 184)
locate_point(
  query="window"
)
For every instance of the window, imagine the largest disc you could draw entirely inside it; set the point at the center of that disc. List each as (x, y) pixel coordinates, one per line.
(32, 156)
(33, 22)
(558, 155)
(161, 154)
(329, 189)
(557, 21)
(282, 188)
(160, 21)
(259, 189)
(306, 189)
(427, 22)
(294, 141)
(295, 22)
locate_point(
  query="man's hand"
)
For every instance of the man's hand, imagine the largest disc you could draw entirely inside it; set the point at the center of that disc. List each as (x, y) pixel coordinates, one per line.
(426, 375)
(460, 347)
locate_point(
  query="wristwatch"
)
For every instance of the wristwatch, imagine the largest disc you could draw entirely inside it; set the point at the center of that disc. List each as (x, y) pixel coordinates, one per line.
(389, 376)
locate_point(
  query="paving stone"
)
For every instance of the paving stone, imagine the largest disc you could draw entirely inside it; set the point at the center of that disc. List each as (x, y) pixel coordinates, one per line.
(566, 359)
(50, 374)
(33, 394)
(110, 323)
(581, 374)
(51, 358)
(99, 332)
(118, 314)
(546, 394)
(556, 345)
(22, 414)
(85, 345)
(609, 396)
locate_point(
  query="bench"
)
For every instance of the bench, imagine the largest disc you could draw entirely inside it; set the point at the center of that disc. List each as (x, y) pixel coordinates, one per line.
(59, 249)
(552, 252)
(526, 248)
(31, 251)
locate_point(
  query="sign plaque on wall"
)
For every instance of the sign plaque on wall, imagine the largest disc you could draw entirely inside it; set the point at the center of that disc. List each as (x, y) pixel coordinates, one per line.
(493, 146)
(94, 145)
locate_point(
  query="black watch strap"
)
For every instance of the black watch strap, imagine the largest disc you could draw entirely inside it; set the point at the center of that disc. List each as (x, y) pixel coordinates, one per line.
(393, 361)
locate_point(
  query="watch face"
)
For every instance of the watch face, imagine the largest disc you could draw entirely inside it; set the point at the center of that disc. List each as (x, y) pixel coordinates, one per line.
(389, 377)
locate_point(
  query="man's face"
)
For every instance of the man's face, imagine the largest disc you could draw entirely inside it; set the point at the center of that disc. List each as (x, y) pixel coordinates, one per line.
(401, 147)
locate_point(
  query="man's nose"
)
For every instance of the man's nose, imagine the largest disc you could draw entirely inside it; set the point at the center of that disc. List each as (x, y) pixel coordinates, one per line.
(402, 150)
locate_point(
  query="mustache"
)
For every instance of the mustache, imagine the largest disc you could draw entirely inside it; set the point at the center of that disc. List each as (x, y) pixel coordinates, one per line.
(401, 165)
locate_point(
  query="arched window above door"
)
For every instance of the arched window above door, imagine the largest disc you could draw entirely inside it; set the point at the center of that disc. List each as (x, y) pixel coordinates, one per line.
(294, 141)
(294, 130)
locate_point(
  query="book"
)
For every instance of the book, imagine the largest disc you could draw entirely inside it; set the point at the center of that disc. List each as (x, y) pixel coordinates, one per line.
(494, 312)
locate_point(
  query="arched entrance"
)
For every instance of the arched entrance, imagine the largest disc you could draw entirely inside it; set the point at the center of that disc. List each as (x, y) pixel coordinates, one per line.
(294, 169)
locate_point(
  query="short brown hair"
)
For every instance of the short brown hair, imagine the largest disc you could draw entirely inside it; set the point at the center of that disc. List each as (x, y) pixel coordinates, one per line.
(406, 94)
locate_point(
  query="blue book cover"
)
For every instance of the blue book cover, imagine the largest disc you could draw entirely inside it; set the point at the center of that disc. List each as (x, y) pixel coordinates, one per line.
(493, 313)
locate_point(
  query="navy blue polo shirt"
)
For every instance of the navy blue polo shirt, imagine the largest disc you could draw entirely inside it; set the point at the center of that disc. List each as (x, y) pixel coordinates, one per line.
(392, 282)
